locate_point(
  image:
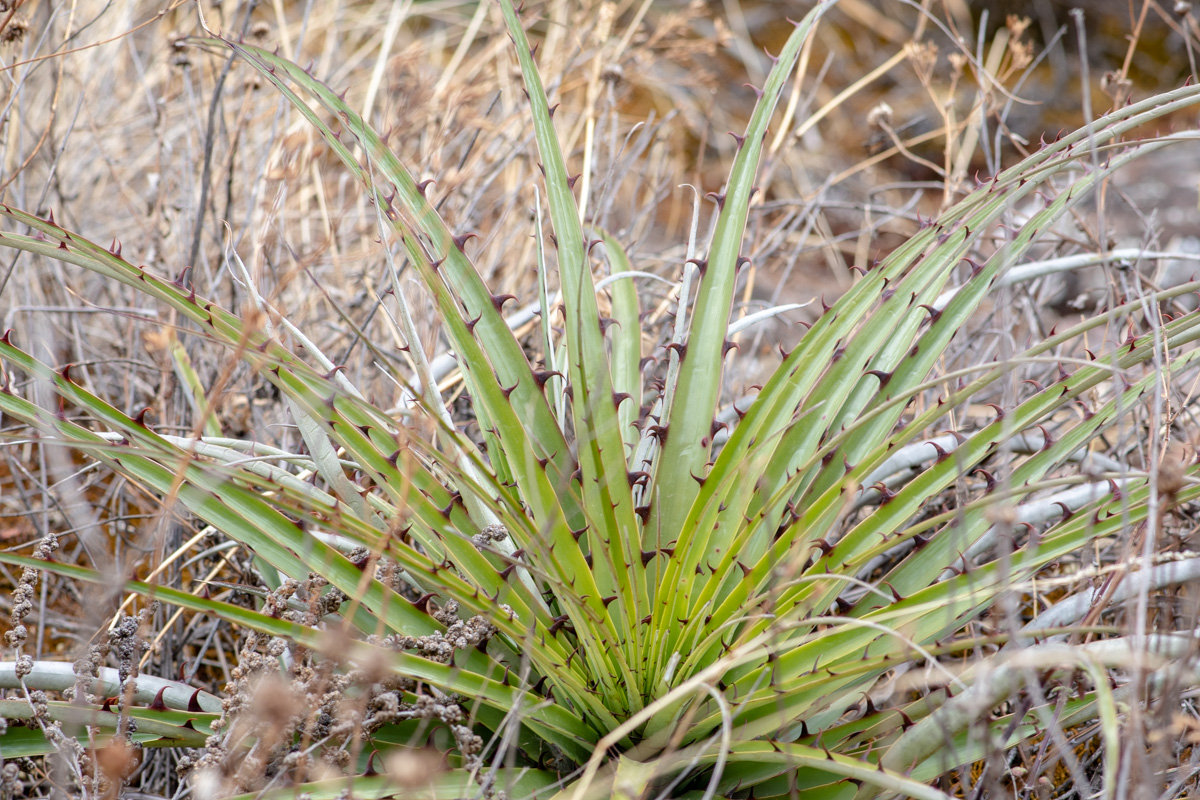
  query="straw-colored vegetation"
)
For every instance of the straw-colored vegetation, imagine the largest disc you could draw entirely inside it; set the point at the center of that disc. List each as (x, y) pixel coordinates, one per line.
(430, 400)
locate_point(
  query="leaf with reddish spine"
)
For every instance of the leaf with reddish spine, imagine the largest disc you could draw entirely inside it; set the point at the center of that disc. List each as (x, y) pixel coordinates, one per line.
(491, 332)
(345, 418)
(314, 391)
(775, 402)
(472, 677)
(863, 542)
(614, 530)
(627, 340)
(153, 730)
(562, 558)
(804, 673)
(931, 618)
(686, 452)
(243, 514)
(539, 483)
(451, 784)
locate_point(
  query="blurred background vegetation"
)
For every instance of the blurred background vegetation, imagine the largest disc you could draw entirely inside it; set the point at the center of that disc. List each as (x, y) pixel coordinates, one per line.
(184, 157)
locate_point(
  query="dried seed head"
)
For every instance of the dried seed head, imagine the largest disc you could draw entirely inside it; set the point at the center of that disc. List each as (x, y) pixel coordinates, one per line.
(117, 761)
(880, 116)
(14, 31)
(1116, 86)
(179, 57)
(490, 534)
(923, 57)
(411, 768)
(1172, 469)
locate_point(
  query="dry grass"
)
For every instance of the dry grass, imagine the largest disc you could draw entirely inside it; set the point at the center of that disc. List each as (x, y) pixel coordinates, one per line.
(186, 159)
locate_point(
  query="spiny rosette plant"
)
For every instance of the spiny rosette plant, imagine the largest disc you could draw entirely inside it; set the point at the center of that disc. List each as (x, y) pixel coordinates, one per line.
(635, 587)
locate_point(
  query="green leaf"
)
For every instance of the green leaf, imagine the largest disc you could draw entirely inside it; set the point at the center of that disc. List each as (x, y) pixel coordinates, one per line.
(614, 533)
(154, 729)
(684, 457)
(474, 677)
(626, 340)
(450, 785)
